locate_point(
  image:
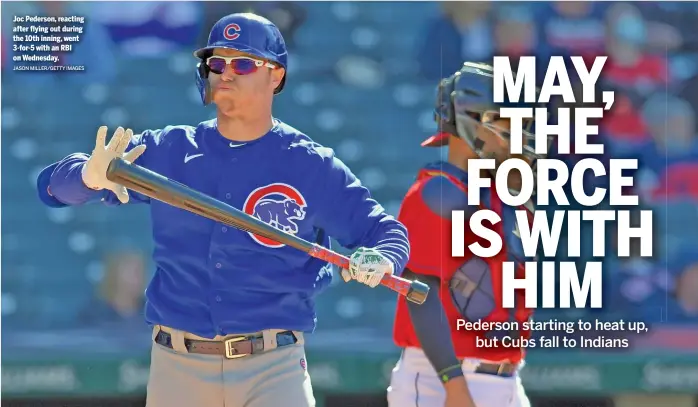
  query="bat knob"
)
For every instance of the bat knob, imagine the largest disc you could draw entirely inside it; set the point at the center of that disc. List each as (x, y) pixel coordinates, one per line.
(418, 292)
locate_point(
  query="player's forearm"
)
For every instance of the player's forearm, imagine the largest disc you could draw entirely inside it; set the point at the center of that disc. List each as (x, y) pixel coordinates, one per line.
(392, 242)
(434, 333)
(355, 219)
(65, 182)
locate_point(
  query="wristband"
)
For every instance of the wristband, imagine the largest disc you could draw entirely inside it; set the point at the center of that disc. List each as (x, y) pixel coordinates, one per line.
(450, 372)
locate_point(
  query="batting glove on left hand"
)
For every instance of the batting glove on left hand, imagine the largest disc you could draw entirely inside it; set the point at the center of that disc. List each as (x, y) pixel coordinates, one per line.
(368, 266)
(94, 172)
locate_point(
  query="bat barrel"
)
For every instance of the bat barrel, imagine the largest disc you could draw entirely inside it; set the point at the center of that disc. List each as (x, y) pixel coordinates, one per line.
(163, 189)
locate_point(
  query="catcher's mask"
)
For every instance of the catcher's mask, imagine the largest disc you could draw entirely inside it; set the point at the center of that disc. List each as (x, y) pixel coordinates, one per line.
(465, 105)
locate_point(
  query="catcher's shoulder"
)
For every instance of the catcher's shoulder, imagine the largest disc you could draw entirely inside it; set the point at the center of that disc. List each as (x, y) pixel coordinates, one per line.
(440, 194)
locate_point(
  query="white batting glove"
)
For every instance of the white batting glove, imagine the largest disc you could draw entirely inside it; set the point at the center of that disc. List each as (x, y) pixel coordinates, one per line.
(368, 266)
(94, 172)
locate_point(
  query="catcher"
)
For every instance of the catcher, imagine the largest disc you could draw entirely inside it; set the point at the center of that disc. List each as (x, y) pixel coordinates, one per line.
(440, 364)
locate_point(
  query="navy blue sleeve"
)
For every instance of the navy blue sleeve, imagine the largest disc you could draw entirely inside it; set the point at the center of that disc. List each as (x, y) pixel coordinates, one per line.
(349, 214)
(432, 329)
(60, 184)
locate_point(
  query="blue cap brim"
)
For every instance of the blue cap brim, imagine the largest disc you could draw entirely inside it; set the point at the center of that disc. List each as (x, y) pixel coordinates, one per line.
(199, 53)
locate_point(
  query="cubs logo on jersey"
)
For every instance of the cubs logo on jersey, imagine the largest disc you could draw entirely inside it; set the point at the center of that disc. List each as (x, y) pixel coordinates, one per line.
(279, 205)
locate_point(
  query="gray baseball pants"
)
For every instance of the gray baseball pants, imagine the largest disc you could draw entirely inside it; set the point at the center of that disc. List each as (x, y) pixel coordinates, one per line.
(276, 377)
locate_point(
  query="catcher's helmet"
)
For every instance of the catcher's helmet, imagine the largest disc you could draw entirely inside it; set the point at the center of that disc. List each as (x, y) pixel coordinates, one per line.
(463, 100)
(245, 32)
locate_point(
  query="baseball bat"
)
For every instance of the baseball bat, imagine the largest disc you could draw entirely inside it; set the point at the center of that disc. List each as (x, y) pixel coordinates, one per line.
(161, 188)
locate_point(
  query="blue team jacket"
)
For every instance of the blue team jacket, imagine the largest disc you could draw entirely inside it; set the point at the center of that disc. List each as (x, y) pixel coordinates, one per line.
(213, 279)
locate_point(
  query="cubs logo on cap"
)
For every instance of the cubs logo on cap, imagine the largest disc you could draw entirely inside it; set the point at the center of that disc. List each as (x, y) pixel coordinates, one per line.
(231, 31)
(279, 205)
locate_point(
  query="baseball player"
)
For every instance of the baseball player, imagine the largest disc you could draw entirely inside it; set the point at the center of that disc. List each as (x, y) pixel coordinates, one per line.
(441, 365)
(229, 308)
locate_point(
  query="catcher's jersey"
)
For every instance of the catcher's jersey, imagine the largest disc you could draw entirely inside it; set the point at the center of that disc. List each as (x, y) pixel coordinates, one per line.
(214, 279)
(426, 210)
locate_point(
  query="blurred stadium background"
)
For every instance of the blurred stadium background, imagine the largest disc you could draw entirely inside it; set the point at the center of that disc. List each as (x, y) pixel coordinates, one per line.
(361, 80)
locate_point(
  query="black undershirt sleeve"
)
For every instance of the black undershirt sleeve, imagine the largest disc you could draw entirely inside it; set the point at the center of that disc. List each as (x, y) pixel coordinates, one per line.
(433, 331)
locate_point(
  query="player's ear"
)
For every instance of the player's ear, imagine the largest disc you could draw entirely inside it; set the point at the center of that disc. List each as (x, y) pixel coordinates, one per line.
(277, 75)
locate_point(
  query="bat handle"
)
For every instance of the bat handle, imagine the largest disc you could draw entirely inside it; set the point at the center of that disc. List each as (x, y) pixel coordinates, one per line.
(414, 291)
